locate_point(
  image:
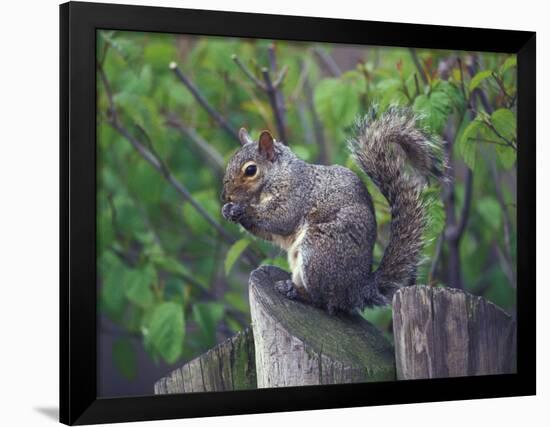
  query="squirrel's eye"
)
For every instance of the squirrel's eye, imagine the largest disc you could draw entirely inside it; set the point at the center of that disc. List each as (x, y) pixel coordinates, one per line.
(250, 170)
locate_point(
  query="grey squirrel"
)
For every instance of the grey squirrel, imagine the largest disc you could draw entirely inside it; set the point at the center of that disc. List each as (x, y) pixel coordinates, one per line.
(323, 216)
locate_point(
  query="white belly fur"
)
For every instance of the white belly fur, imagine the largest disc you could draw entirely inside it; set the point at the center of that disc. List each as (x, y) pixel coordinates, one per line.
(292, 244)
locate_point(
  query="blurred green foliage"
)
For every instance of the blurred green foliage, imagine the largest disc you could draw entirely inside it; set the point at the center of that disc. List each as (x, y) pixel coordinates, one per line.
(168, 277)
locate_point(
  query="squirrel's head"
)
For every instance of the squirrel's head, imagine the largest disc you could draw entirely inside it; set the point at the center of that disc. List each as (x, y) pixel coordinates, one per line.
(247, 170)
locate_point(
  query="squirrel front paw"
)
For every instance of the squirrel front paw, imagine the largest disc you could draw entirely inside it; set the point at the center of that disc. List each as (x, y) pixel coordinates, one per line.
(232, 212)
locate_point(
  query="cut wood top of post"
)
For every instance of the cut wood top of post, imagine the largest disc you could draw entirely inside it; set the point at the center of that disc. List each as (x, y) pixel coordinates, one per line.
(348, 339)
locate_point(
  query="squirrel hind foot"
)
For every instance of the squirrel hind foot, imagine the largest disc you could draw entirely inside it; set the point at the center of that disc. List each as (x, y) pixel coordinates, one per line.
(286, 288)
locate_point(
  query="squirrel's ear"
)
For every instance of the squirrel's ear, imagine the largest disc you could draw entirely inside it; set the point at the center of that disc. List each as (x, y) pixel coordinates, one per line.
(244, 137)
(266, 145)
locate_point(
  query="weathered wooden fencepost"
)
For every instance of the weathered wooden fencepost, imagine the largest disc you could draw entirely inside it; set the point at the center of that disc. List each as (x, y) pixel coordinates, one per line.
(228, 366)
(297, 344)
(445, 332)
(438, 332)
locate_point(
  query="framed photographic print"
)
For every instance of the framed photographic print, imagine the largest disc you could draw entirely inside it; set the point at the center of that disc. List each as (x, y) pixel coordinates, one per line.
(274, 213)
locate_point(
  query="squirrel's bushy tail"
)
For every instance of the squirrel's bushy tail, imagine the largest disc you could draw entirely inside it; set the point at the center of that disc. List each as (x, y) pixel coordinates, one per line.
(381, 147)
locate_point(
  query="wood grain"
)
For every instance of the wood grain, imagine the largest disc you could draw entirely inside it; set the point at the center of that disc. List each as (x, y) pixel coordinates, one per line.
(297, 344)
(445, 332)
(228, 366)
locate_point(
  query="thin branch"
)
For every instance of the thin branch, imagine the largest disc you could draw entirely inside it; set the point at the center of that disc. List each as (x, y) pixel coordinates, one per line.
(280, 78)
(501, 86)
(498, 134)
(484, 101)
(248, 72)
(154, 161)
(324, 151)
(489, 141)
(178, 186)
(416, 85)
(271, 57)
(418, 65)
(328, 62)
(507, 256)
(456, 231)
(435, 260)
(449, 200)
(462, 87)
(277, 110)
(213, 154)
(280, 109)
(271, 88)
(203, 102)
(300, 83)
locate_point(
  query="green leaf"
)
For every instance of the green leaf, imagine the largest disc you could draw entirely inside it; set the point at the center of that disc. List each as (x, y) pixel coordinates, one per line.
(434, 109)
(124, 358)
(454, 94)
(234, 253)
(336, 101)
(489, 210)
(504, 121)
(113, 274)
(279, 261)
(209, 201)
(303, 152)
(105, 232)
(174, 290)
(478, 78)
(138, 85)
(509, 63)
(435, 213)
(506, 156)
(170, 264)
(159, 54)
(237, 300)
(137, 285)
(467, 146)
(207, 316)
(127, 49)
(166, 330)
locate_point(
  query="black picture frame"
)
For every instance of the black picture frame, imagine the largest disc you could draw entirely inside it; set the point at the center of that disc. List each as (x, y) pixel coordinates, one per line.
(78, 356)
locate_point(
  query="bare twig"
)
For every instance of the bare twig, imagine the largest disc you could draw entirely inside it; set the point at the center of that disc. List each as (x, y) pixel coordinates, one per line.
(452, 239)
(277, 110)
(213, 154)
(155, 161)
(203, 102)
(418, 65)
(456, 231)
(248, 72)
(498, 134)
(328, 62)
(272, 88)
(484, 101)
(436, 257)
(280, 78)
(178, 186)
(416, 84)
(301, 80)
(506, 257)
(462, 87)
(324, 152)
(280, 109)
(501, 86)
(488, 141)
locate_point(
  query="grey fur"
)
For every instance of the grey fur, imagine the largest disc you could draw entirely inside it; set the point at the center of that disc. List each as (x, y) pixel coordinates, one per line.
(324, 215)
